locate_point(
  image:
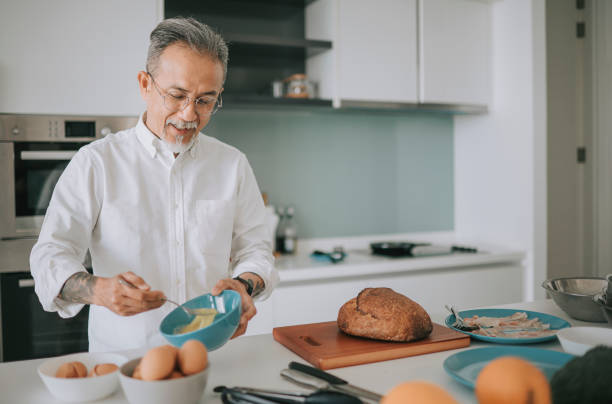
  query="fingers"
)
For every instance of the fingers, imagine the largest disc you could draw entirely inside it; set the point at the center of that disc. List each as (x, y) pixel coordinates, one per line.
(248, 307)
(132, 296)
(135, 280)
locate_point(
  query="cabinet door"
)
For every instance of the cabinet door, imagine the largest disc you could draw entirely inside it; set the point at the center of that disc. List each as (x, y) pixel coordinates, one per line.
(74, 56)
(377, 54)
(455, 52)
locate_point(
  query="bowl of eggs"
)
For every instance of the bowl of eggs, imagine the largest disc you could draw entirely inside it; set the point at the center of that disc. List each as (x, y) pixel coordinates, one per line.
(217, 320)
(166, 374)
(82, 377)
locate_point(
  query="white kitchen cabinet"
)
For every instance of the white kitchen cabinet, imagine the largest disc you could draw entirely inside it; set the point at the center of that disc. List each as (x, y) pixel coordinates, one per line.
(74, 56)
(455, 52)
(402, 51)
(377, 51)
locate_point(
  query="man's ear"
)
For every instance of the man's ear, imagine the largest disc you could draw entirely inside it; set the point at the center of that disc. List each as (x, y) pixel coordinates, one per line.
(144, 83)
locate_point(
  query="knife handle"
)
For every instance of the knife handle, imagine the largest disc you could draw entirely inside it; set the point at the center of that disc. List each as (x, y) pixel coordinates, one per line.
(321, 374)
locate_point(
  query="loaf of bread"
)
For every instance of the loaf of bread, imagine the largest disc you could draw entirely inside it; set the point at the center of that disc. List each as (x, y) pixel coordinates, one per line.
(381, 313)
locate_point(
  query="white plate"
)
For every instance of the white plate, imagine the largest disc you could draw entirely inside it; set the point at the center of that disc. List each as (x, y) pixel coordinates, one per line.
(578, 340)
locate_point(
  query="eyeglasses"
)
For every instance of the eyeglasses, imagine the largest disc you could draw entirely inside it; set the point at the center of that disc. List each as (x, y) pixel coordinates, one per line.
(177, 101)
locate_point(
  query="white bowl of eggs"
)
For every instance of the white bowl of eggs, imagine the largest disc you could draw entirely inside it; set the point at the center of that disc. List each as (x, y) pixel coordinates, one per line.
(166, 373)
(82, 377)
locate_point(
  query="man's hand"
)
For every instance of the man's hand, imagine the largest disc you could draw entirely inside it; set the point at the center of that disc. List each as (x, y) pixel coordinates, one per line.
(121, 299)
(248, 307)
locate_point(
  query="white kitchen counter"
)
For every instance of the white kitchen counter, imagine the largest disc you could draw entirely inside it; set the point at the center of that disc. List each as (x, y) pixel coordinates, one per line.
(257, 360)
(360, 262)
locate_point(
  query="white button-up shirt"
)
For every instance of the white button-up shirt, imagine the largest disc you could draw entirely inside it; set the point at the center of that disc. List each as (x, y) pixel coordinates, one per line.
(180, 223)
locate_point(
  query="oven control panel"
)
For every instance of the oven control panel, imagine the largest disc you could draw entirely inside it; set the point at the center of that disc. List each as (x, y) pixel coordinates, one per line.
(60, 128)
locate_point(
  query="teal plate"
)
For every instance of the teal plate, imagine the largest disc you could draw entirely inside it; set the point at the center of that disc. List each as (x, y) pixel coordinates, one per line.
(465, 366)
(556, 323)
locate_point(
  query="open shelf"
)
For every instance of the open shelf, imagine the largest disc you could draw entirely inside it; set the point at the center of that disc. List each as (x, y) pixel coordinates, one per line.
(264, 101)
(266, 40)
(268, 45)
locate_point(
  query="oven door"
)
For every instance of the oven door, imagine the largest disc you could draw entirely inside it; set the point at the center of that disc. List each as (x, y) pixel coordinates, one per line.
(29, 332)
(36, 169)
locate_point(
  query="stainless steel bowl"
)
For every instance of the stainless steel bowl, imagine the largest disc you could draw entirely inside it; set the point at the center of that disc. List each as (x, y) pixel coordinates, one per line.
(575, 296)
(601, 301)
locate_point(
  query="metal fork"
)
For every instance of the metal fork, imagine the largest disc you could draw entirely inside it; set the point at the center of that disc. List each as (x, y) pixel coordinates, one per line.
(459, 322)
(190, 312)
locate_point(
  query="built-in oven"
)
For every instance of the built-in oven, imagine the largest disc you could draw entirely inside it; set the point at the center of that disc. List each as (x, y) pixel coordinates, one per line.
(29, 332)
(34, 151)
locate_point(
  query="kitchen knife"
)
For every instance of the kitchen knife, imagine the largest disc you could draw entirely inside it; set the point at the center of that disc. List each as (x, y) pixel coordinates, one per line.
(335, 382)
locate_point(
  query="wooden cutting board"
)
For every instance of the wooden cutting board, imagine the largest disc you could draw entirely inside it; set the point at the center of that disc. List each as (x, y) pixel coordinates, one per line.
(326, 347)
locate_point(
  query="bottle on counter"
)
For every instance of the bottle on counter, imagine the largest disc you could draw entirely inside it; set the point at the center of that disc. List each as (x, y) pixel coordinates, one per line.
(290, 231)
(286, 232)
(279, 246)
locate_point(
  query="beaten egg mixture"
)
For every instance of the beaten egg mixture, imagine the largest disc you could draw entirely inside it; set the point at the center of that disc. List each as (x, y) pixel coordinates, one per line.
(203, 318)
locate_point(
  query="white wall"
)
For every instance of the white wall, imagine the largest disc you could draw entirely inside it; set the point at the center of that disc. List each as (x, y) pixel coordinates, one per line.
(500, 157)
(74, 56)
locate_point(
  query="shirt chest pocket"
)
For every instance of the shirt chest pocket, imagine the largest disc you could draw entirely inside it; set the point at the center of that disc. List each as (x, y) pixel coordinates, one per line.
(215, 222)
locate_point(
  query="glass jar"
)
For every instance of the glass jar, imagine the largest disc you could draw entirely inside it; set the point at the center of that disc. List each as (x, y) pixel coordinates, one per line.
(298, 86)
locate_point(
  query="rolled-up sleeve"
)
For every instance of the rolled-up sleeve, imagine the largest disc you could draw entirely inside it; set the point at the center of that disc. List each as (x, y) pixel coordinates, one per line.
(251, 249)
(66, 233)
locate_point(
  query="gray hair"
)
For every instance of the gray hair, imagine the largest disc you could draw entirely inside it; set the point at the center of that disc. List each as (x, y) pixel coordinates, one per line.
(198, 36)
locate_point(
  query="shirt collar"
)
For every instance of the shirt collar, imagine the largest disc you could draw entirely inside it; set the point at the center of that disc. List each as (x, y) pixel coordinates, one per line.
(152, 143)
(148, 140)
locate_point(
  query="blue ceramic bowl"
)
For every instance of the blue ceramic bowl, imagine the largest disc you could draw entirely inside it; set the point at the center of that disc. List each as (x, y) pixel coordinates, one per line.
(215, 335)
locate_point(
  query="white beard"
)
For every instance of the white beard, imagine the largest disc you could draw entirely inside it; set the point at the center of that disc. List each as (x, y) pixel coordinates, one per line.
(177, 146)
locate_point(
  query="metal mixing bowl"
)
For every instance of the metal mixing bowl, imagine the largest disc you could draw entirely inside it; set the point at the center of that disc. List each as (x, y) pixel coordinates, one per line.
(575, 296)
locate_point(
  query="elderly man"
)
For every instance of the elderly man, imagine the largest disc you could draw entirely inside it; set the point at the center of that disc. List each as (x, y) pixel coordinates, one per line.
(163, 209)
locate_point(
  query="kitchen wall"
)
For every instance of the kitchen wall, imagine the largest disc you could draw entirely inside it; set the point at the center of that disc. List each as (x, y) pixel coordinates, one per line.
(500, 157)
(349, 172)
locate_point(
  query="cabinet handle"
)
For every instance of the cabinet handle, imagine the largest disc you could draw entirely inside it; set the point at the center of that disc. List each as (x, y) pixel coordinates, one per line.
(26, 283)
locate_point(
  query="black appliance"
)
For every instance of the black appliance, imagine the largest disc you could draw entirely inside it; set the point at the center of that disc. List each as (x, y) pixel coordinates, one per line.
(29, 332)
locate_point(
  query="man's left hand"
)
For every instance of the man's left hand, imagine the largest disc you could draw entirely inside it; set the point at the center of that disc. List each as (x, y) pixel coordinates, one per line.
(248, 307)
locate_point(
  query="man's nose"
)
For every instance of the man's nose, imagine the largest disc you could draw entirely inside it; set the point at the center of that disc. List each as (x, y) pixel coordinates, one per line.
(188, 113)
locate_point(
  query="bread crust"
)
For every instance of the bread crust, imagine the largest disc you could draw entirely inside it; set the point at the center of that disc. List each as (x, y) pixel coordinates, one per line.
(383, 314)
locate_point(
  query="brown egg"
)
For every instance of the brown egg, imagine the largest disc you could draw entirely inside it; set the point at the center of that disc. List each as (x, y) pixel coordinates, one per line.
(80, 368)
(66, 370)
(175, 375)
(136, 373)
(103, 369)
(71, 369)
(157, 363)
(192, 357)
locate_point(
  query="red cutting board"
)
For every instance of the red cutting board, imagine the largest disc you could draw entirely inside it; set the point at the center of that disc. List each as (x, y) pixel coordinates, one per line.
(326, 347)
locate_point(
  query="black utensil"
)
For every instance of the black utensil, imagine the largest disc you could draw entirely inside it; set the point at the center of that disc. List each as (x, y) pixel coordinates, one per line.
(336, 382)
(274, 396)
(459, 323)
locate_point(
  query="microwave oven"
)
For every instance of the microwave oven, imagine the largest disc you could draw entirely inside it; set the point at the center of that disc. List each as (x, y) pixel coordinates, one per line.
(34, 151)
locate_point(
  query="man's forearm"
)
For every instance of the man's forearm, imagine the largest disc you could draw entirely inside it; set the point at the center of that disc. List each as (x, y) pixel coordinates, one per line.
(79, 288)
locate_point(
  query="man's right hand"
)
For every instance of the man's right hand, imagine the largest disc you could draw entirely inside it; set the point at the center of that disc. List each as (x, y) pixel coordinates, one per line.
(117, 296)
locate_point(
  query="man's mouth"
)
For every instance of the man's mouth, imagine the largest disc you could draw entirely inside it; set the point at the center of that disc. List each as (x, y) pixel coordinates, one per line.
(183, 131)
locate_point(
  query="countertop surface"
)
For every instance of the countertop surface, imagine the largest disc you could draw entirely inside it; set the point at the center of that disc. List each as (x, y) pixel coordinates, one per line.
(14, 257)
(257, 360)
(359, 262)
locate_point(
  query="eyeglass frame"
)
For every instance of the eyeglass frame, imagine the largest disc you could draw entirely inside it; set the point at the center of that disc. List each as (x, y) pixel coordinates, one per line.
(188, 100)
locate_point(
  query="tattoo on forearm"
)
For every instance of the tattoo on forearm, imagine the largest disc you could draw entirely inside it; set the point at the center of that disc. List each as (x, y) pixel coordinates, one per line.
(79, 288)
(258, 287)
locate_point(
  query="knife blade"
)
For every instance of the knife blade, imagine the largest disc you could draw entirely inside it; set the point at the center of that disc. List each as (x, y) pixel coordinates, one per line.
(334, 381)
